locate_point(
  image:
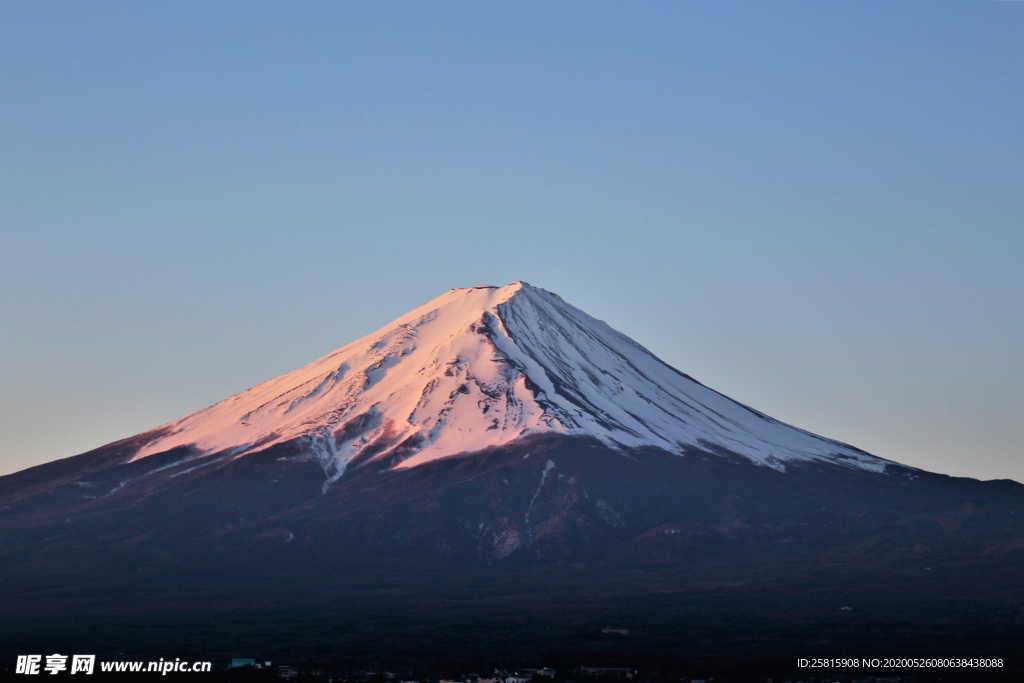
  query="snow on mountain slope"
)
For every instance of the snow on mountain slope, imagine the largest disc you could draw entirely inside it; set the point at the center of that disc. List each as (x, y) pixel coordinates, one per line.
(482, 367)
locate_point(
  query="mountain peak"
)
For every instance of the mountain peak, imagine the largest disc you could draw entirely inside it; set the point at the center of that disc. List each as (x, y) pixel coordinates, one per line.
(481, 367)
(495, 293)
(515, 284)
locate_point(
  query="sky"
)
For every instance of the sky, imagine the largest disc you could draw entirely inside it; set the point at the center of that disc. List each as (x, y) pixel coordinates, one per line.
(817, 210)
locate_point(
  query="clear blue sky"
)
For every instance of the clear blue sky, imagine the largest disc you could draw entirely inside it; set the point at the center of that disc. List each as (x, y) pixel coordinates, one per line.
(815, 208)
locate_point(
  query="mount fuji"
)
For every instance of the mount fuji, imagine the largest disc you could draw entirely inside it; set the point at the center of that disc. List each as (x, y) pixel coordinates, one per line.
(481, 368)
(497, 451)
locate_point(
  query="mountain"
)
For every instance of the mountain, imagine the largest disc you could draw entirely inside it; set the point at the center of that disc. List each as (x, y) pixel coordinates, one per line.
(480, 368)
(493, 456)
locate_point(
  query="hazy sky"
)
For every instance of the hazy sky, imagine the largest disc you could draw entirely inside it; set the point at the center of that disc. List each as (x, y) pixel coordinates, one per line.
(814, 208)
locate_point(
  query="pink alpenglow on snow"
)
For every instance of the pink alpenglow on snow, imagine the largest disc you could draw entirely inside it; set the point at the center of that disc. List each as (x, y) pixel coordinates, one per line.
(481, 367)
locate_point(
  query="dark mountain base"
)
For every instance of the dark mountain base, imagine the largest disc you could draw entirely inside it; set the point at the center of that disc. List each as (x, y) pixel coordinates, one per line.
(554, 551)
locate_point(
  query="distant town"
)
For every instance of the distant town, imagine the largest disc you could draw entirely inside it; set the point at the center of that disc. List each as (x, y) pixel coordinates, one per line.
(245, 669)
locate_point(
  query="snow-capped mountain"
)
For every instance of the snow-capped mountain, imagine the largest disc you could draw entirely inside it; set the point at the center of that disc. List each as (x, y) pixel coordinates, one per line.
(499, 459)
(481, 367)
